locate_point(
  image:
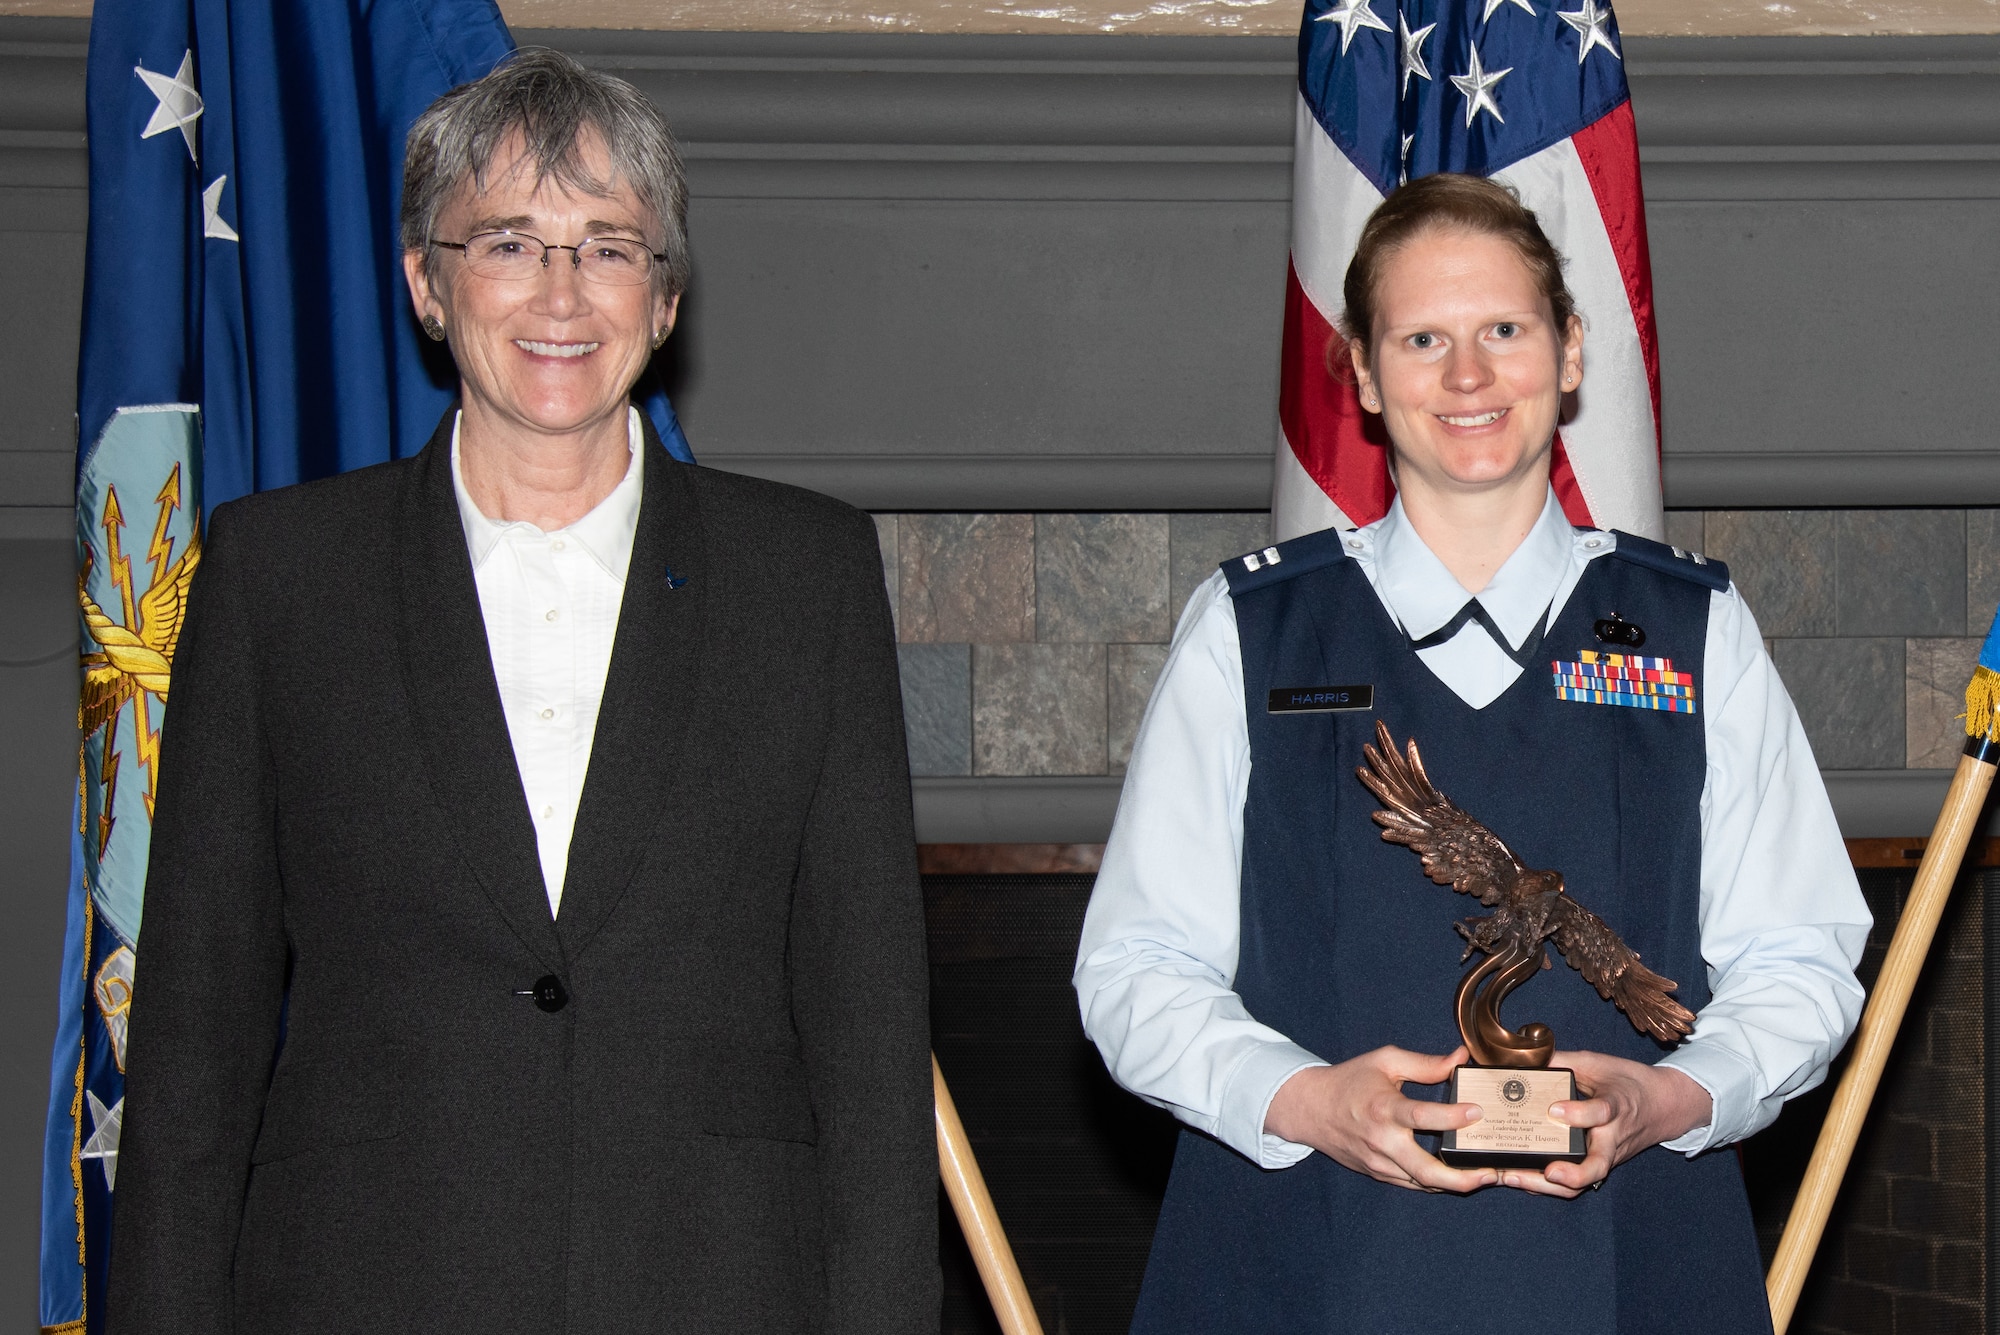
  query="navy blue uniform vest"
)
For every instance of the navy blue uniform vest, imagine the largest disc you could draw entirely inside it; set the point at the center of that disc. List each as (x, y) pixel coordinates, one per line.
(1347, 946)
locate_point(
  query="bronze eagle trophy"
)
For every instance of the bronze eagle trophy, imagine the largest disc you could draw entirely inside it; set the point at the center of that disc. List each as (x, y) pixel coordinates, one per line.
(1531, 909)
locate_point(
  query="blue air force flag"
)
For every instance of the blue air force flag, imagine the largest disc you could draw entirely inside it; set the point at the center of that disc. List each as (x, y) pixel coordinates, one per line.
(244, 327)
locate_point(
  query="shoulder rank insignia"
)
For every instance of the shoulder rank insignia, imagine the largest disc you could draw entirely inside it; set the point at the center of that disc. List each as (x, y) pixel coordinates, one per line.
(1625, 679)
(1690, 566)
(1284, 560)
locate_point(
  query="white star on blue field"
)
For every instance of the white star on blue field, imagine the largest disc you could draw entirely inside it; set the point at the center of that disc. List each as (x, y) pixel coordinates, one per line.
(108, 1124)
(1396, 114)
(180, 103)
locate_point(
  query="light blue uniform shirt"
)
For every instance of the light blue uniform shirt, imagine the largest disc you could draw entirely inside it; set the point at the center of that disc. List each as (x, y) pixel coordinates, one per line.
(1782, 920)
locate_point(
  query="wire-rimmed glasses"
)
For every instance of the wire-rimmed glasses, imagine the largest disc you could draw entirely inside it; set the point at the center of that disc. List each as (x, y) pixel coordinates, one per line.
(618, 261)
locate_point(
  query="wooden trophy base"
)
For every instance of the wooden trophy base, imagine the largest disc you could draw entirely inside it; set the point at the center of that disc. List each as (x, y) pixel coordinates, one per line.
(1516, 1131)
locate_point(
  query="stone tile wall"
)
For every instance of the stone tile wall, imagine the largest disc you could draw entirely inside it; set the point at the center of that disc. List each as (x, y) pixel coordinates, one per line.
(1030, 643)
(1874, 618)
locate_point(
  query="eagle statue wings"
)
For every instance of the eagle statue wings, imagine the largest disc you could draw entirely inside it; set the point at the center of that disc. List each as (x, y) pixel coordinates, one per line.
(1530, 907)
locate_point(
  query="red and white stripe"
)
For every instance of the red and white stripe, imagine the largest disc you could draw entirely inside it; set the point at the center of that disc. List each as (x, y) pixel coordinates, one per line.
(1332, 464)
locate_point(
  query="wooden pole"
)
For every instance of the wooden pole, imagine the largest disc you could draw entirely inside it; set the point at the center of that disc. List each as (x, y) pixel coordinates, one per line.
(1879, 1022)
(977, 1218)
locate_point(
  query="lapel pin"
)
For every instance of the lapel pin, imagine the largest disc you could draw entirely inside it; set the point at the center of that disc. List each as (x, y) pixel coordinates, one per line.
(674, 581)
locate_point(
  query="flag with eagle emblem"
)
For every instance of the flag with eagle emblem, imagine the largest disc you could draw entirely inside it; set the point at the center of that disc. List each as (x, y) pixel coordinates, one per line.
(244, 327)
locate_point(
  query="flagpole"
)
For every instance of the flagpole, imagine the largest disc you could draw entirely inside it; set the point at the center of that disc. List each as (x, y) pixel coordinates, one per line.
(977, 1218)
(1963, 803)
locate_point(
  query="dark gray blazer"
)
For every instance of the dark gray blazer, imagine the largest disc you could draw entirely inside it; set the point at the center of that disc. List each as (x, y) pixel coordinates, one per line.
(341, 1113)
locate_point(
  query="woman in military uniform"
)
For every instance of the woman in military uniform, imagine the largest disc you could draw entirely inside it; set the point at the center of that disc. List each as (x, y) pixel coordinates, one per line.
(1257, 959)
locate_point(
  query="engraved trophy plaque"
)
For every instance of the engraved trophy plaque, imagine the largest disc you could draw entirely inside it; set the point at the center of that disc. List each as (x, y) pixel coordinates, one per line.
(1510, 1077)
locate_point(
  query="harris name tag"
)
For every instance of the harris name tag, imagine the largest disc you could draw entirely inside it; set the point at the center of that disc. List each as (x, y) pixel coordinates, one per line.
(1320, 699)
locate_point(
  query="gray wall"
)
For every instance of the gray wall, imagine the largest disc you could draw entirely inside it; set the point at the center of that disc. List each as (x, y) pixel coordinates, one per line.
(966, 273)
(1046, 273)
(980, 274)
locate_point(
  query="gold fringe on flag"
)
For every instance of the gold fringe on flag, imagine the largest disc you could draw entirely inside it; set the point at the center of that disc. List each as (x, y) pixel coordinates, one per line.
(1982, 703)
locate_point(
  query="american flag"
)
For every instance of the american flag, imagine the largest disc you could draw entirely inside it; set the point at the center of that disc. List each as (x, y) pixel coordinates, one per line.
(1532, 94)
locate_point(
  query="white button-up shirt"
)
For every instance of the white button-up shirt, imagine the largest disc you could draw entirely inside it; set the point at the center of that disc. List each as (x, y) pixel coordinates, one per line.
(550, 601)
(1782, 918)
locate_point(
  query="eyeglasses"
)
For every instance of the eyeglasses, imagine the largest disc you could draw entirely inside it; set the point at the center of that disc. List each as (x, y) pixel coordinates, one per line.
(506, 256)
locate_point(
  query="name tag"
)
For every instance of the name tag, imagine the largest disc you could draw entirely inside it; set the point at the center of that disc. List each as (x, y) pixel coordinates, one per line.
(1320, 699)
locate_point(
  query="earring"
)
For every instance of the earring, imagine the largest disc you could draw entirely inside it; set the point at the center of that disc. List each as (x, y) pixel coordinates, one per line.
(434, 327)
(661, 337)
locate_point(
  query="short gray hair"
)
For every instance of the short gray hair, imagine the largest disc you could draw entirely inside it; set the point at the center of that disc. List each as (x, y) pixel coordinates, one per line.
(551, 100)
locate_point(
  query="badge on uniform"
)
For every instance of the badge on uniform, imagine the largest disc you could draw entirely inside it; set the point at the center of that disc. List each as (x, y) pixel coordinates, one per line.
(1320, 699)
(1598, 678)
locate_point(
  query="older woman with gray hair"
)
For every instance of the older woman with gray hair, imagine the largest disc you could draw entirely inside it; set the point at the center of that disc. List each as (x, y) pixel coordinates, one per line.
(533, 935)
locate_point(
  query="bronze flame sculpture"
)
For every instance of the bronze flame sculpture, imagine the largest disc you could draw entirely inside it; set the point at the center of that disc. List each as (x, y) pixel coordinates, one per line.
(1532, 909)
